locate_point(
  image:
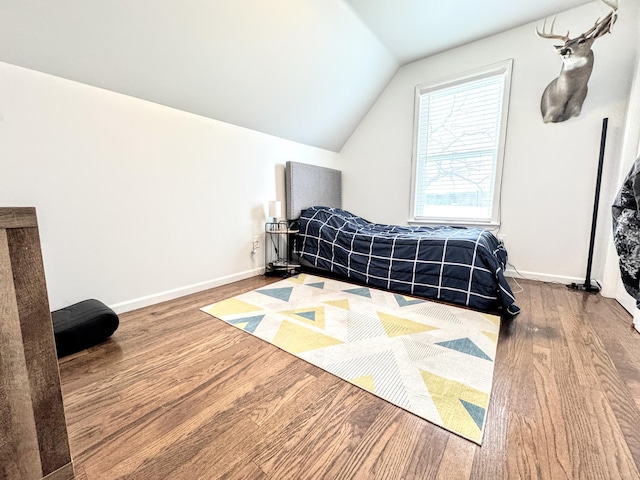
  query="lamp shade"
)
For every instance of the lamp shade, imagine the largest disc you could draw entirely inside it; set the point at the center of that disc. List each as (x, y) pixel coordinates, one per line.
(275, 209)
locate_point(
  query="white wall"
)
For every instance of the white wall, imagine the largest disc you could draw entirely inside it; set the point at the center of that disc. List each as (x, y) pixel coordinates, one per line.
(134, 199)
(550, 169)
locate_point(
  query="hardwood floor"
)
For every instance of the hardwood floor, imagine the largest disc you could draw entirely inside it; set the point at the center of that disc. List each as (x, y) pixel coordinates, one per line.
(178, 394)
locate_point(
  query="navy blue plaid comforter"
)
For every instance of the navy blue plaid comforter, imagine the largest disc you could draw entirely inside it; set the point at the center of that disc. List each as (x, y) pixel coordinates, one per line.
(464, 266)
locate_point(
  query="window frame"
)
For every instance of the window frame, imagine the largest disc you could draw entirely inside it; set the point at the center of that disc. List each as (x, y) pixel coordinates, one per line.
(503, 68)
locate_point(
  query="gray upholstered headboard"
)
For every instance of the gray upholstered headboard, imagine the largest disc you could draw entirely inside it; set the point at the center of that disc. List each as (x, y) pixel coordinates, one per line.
(309, 186)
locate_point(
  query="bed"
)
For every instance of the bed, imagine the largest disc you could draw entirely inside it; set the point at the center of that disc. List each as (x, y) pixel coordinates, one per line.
(462, 266)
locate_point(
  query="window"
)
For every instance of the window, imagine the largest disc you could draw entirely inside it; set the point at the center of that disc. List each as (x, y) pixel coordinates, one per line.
(460, 126)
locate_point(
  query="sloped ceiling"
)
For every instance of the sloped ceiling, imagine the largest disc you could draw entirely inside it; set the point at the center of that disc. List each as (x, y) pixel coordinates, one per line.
(304, 70)
(415, 29)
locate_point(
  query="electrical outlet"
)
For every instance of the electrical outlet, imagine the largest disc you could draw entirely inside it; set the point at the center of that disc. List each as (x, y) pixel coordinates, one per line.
(256, 244)
(502, 238)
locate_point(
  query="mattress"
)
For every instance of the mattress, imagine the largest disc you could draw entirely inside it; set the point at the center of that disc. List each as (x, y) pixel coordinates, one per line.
(463, 266)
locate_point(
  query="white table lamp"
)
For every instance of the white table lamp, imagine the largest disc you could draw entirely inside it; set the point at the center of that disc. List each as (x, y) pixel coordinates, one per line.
(275, 209)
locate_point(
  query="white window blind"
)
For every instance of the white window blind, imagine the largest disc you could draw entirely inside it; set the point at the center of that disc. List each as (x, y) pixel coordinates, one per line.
(458, 143)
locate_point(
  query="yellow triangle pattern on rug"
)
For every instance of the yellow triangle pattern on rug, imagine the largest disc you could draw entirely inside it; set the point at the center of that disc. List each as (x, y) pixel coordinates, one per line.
(493, 319)
(230, 307)
(297, 339)
(492, 335)
(366, 382)
(342, 303)
(299, 279)
(461, 408)
(396, 326)
(433, 360)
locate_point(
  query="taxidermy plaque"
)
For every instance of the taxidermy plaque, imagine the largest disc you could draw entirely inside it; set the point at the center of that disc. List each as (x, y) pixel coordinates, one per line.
(563, 97)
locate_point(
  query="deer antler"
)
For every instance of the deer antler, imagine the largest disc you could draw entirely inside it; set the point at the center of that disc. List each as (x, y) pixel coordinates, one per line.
(600, 28)
(603, 26)
(611, 3)
(544, 34)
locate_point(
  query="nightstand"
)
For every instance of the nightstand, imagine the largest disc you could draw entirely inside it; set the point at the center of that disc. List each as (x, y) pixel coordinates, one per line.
(278, 249)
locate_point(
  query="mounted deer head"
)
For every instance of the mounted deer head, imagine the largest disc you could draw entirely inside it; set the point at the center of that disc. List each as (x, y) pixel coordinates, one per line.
(563, 97)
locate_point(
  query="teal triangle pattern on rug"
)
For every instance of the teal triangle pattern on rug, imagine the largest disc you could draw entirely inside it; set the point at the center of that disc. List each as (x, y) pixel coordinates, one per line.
(465, 345)
(363, 292)
(405, 302)
(251, 323)
(283, 294)
(476, 412)
(310, 315)
(319, 285)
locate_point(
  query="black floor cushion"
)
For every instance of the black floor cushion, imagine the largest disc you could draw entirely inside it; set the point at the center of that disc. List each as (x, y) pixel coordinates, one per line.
(82, 325)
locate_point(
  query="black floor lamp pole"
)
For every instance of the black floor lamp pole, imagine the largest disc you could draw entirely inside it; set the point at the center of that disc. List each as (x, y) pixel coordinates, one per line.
(588, 286)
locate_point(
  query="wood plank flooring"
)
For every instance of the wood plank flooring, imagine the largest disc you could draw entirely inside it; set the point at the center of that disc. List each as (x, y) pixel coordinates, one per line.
(178, 394)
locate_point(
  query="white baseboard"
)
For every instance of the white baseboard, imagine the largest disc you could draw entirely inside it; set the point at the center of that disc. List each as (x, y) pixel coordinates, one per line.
(542, 277)
(605, 291)
(155, 298)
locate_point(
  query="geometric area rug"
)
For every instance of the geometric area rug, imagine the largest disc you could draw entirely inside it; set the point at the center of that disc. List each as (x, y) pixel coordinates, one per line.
(433, 360)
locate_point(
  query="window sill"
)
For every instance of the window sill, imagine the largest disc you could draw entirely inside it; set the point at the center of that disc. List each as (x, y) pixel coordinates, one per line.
(454, 223)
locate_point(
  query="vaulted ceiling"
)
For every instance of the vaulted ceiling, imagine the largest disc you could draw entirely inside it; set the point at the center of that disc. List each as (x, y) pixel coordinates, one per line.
(304, 70)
